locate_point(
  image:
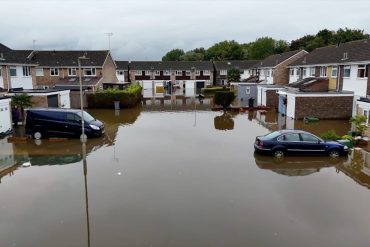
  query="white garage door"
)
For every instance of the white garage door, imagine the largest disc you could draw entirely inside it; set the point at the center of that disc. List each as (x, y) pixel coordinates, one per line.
(147, 85)
(189, 84)
(5, 120)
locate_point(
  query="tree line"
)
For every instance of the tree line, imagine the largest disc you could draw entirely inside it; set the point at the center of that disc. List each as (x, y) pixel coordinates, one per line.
(265, 46)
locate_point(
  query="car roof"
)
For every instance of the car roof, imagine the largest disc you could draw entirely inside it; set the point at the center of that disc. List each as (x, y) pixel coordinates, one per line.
(284, 131)
(51, 109)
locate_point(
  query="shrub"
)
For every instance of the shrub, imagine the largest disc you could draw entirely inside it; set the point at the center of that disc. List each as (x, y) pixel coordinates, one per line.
(104, 99)
(330, 135)
(223, 98)
(213, 90)
(360, 123)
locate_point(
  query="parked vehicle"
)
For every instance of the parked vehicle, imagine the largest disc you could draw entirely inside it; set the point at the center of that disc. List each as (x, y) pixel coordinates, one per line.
(297, 142)
(42, 122)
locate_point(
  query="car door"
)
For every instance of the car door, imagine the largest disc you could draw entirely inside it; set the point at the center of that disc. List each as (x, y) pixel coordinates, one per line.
(73, 125)
(291, 142)
(312, 144)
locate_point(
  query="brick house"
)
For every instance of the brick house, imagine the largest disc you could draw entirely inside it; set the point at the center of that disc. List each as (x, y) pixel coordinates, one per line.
(274, 69)
(16, 70)
(188, 74)
(60, 69)
(245, 67)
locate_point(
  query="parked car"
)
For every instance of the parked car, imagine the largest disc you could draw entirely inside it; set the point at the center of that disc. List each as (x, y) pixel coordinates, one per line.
(42, 122)
(297, 142)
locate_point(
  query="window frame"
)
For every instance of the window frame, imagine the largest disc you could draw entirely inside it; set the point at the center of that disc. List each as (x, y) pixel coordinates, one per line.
(54, 71)
(312, 71)
(223, 72)
(92, 69)
(70, 70)
(178, 72)
(120, 72)
(197, 72)
(167, 73)
(334, 68)
(37, 70)
(188, 73)
(365, 69)
(347, 67)
(138, 72)
(13, 68)
(315, 137)
(247, 90)
(279, 139)
(206, 72)
(323, 71)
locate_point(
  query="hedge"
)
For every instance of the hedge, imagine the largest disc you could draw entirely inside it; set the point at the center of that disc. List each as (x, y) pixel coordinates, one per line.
(128, 97)
(212, 90)
(223, 98)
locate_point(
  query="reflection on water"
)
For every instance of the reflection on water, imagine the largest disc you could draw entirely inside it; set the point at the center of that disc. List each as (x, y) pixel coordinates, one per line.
(164, 175)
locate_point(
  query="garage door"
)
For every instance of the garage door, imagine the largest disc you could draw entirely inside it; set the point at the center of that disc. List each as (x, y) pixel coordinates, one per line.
(53, 101)
(147, 85)
(189, 84)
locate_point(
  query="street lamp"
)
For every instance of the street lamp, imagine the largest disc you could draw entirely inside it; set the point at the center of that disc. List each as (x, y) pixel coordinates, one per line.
(83, 136)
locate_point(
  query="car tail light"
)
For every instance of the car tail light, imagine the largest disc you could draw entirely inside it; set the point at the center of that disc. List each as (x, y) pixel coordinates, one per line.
(260, 144)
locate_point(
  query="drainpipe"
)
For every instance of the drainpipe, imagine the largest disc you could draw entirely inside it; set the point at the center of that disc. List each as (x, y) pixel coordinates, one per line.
(339, 74)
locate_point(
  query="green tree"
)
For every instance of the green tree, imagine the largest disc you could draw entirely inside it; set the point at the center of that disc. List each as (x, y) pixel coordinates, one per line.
(173, 55)
(261, 48)
(301, 43)
(223, 98)
(233, 74)
(360, 123)
(326, 36)
(21, 101)
(281, 46)
(225, 50)
(192, 56)
(346, 35)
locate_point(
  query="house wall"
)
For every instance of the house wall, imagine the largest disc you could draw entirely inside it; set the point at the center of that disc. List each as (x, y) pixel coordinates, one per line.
(281, 71)
(5, 115)
(272, 98)
(121, 78)
(244, 96)
(355, 84)
(19, 80)
(323, 107)
(109, 71)
(39, 101)
(1, 76)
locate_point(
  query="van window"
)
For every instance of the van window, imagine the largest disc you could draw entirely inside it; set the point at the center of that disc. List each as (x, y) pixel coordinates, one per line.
(87, 117)
(73, 117)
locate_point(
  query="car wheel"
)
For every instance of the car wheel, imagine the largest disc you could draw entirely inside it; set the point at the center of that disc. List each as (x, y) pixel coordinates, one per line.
(37, 135)
(279, 154)
(334, 154)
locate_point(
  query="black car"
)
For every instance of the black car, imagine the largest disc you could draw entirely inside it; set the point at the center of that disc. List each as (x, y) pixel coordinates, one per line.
(42, 122)
(297, 142)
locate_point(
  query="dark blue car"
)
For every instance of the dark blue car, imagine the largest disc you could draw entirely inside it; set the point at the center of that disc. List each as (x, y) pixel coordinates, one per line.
(297, 142)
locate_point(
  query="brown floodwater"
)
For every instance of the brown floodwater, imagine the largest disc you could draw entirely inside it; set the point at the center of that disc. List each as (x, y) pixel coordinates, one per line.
(179, 174)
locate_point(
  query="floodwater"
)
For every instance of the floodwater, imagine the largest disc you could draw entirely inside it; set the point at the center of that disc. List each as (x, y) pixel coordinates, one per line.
(181, 175)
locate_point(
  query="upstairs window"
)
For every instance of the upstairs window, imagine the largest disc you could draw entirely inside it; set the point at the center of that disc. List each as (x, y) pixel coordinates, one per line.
(304, 72)
(39, 72)
(26, 71)
(138, 72)
(334, 71)
(178, 72)
(90, 72)
(323, 71)
(72, 71)
(147, 72)
(54, 71)
(13, 71)
(167, 72)
(297, 71)
(223, 72)
(157, 72)
(347, 71)
(206, 72)
(267, 73)
(292, 72)
(197, 72)
(188, 73)
(362, 71)
(120, 72)
(312, 71)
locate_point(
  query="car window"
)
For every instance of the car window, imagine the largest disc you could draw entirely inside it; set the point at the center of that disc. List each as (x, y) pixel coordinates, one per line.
(73, 117)
(309, 138)
(272, 135)
(290, 138)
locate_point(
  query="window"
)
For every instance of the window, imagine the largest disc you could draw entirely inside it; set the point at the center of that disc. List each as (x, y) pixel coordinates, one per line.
(72, 71)
(147, 72)
(13, 71)
(312, 71)
(157, 72)
(197, 72)
(334, 71)
(362, 71)
(304, 72)
(120, 72)
(179, 72)
(347, 71)
(54, 71)
(309, 138)
(366, 113)
(247, 90)
(26, 71)
(39, 72)
(167, 72)
(206, 72)
(138, 72)
(73, 117)
(188, 73)
(297, 71)
(323, 71)
(292, 72)
(289, 138)
(272, 73)
(267, 73)
(89, 71)
(0, 72)
(223, 72)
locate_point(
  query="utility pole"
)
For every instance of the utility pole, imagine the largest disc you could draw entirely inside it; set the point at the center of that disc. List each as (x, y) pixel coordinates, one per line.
(109, 35)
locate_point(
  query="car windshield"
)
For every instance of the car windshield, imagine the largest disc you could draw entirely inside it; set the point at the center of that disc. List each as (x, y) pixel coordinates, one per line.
(272, 135)
(87, 117)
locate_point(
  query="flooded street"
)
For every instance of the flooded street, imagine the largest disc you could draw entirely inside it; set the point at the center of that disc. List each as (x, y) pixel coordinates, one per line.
(181, 175)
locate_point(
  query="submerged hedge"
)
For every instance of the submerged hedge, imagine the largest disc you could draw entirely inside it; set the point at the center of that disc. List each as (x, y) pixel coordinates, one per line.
(212, 90)
(105, 99)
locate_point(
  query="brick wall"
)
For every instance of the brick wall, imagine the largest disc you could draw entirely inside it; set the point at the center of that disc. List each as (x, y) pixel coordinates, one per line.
(337, 107)
(272, 98)
(39, 101)
(109, 71)
(281, 72)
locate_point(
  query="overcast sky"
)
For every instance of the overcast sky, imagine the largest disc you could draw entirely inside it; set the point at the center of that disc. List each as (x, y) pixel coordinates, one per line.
(147, 29)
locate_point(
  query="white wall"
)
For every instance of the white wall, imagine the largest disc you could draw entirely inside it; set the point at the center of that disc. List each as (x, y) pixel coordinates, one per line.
(121, 78)
(290, 109)
(5, 117)
(20, 80)
(357, 85)
(245, 74)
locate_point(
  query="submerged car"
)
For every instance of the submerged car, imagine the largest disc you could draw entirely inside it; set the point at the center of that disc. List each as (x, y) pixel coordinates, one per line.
(43, 122)
(297, 142)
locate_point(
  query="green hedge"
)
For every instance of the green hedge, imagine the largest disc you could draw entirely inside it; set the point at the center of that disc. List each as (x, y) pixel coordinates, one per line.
(128, 97)
(212, 90)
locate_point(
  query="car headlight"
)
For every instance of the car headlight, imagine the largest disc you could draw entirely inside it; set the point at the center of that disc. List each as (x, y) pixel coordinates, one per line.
(94, 127)
(345, 147)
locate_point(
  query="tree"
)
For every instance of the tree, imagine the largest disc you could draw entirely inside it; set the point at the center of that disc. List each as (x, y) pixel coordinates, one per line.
(223, 98)
(173, 55)
(360, 123)
(233, 75)
(192, 56)
(346, 35)
(281, 46)
(301, 43)
(261, 48)
(326, 36)
(225, 50)
(22, 101)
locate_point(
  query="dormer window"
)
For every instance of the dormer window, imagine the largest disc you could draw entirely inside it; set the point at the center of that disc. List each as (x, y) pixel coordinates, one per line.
(345, 56)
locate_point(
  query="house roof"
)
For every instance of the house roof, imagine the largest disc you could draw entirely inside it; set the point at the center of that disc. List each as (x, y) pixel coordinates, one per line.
(9, 56)
(69, 58)
(122, 65)
(274, 60)
(357, 51)
(171, 65)
(239, 64)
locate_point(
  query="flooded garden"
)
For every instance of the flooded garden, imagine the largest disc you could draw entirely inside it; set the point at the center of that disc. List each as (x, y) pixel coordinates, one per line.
(174, 173)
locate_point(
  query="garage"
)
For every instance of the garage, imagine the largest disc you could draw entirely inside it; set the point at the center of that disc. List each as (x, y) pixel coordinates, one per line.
(5, 116)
